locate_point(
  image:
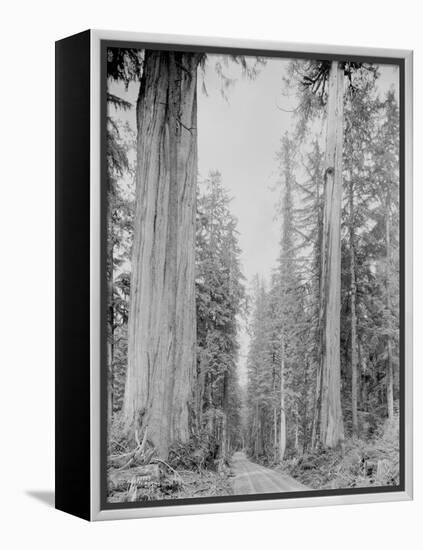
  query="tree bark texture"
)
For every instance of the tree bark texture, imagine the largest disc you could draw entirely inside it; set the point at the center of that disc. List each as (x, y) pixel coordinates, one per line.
(161, 327)
(331, 429)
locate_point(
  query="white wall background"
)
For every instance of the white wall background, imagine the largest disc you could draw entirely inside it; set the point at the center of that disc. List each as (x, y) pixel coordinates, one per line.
(27, 37)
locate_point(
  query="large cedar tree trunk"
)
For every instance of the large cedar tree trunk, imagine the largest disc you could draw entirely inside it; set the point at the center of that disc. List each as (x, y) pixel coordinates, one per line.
(331, 429)
(161, 337)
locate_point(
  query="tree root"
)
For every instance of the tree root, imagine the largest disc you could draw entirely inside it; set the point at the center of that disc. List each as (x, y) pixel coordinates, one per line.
(119, 461)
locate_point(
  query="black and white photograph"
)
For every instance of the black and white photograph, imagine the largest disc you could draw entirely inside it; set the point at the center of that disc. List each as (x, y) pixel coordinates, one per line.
(211, 275)
(252, 274)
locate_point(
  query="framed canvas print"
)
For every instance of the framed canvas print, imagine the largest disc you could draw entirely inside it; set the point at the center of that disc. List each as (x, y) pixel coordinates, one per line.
(233, 275)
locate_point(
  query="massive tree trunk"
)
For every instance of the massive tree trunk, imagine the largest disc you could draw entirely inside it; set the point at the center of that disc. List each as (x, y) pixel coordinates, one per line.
(331, 429)
(161, 328)
(353, 290)
(390, 368)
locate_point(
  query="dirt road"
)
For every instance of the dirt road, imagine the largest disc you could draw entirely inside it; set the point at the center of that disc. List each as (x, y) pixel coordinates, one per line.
(251, 478)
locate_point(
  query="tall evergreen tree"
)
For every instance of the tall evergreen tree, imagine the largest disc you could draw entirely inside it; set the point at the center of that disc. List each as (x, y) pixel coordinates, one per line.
(161, 335)
(121, 66)
(220, 299)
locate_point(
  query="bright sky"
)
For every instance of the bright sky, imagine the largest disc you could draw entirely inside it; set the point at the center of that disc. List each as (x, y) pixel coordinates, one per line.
(239, 135)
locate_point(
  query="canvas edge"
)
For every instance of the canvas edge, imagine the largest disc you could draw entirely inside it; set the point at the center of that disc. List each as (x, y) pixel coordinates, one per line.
(408, 162)
(95, 240)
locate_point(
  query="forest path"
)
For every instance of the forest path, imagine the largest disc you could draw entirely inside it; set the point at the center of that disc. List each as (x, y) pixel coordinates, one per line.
(251, 478)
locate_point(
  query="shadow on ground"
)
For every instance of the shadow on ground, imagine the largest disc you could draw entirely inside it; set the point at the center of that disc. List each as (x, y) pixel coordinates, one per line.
(46, 497)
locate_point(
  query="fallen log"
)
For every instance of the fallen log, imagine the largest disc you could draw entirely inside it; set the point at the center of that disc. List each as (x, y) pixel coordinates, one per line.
(141, 476)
